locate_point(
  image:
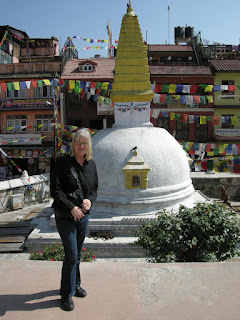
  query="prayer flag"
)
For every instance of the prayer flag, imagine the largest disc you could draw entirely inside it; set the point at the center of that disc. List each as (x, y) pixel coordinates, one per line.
(172, 88)
(203, 120)
(216, 88)
(71, 84)
(16, 85)
(165, 88)
(193, 88)
(179, 88)
(162, 98)
(208, 88)
(47, 82)
(210, 99)
(39, 82)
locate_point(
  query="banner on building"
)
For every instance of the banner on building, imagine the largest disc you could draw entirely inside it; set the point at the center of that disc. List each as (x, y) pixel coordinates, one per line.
(227, 134)
(104, 109)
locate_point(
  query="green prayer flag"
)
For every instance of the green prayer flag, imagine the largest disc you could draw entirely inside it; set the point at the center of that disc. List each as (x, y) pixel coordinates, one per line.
(39, 82)
(210, 164)
(165, 88)
(177, 116)
(77, 86)
(169, 98)
(10, 86)
(203, 99)
(209, 119)
(203, 86)
(99, 85)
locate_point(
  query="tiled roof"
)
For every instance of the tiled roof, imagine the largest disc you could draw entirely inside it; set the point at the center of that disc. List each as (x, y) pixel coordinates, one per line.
(176, 70)
(104, 70)
(169, 48)
(226, 65)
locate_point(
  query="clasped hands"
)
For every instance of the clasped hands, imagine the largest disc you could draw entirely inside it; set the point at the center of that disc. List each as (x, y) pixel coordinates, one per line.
(78, 213)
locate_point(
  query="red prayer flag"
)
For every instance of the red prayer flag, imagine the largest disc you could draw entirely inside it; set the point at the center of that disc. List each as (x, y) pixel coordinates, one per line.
(34, 83)
(204, 165)
(191, 151)
(61, 82)
(184, 117)
(196, 99)
(163, 98)
(236, 168)
(215, 121)
(231, 88)
(93, 84)
(193, 88)
(3, 86)
(158, 88)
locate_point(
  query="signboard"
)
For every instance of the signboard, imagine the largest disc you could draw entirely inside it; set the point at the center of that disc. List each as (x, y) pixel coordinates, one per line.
(25, 103)
(21, 139)
(104, 109)
(227, 134)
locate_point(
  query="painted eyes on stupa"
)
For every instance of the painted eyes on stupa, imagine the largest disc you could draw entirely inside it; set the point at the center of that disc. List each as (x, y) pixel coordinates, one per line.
(135, 109)
(123, 109)
(139, 109)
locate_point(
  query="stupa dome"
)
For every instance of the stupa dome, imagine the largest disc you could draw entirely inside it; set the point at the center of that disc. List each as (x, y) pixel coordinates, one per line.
(168, 180)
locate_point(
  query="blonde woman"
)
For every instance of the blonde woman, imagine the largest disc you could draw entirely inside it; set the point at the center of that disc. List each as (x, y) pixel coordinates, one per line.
(74, 192)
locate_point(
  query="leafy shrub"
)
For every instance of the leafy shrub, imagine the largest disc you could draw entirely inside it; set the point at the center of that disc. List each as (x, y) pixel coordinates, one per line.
(56, 253)
(206, 232)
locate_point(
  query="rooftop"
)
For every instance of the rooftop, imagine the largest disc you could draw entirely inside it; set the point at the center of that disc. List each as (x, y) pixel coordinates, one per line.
(175, 70)
(225, 65)
(169, 48)
(104, 69)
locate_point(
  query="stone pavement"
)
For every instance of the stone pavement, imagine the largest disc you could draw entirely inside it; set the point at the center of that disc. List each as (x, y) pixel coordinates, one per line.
(122, 291)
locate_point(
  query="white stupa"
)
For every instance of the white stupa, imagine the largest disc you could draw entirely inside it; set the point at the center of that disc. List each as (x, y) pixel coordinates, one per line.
(141, 169)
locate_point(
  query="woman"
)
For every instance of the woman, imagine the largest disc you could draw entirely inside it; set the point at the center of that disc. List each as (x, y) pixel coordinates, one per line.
(75, 190)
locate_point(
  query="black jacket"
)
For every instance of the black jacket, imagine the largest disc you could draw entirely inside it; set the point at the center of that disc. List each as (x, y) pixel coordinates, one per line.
(64, 183)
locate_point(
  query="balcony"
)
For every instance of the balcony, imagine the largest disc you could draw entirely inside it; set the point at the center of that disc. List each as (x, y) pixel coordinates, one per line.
(29, 68)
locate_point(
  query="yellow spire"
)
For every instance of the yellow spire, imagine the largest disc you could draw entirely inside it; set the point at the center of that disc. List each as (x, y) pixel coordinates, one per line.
(132, 79)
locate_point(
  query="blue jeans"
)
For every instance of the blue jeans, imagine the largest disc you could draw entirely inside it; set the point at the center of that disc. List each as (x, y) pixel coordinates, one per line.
(72, 234)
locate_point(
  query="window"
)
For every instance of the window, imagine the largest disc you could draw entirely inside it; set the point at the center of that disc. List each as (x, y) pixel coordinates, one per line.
(43, 92)
(15, 94)
(201, 131)
(87, 67)
(226, 93)
(181, 130)
(163, 123)
(43, 123)
(227, 124)
(16, 124)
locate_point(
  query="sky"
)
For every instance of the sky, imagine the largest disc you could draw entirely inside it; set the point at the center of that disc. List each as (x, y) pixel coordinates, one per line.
(217, 20)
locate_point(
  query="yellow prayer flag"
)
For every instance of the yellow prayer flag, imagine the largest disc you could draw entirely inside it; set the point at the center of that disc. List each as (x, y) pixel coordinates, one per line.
(210, 99)
(16, 85)
(209, 88)
(203, 120)
(101, 99)
(47, 82)
(210, 153)
(221, 148)
(234, 120)
(176, 96)
(105, 85)
(172, 88)
(71, 84)
(172, 116)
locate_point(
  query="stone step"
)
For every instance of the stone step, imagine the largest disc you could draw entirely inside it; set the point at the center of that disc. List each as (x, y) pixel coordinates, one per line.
(116, 226)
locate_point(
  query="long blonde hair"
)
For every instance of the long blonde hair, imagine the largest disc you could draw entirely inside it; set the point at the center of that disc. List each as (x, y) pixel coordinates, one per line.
(84, 132)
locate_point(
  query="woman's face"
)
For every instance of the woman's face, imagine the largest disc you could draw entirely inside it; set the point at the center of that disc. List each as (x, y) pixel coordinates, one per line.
(81, 146)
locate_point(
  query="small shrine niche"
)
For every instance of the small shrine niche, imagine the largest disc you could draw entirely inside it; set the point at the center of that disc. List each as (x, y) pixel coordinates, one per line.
(136, 172)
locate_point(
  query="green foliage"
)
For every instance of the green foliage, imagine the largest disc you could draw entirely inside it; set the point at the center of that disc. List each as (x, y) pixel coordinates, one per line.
(56, 253)
(206, 232)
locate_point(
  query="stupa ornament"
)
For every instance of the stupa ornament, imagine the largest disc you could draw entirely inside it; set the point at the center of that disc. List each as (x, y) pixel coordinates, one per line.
(131, 90)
